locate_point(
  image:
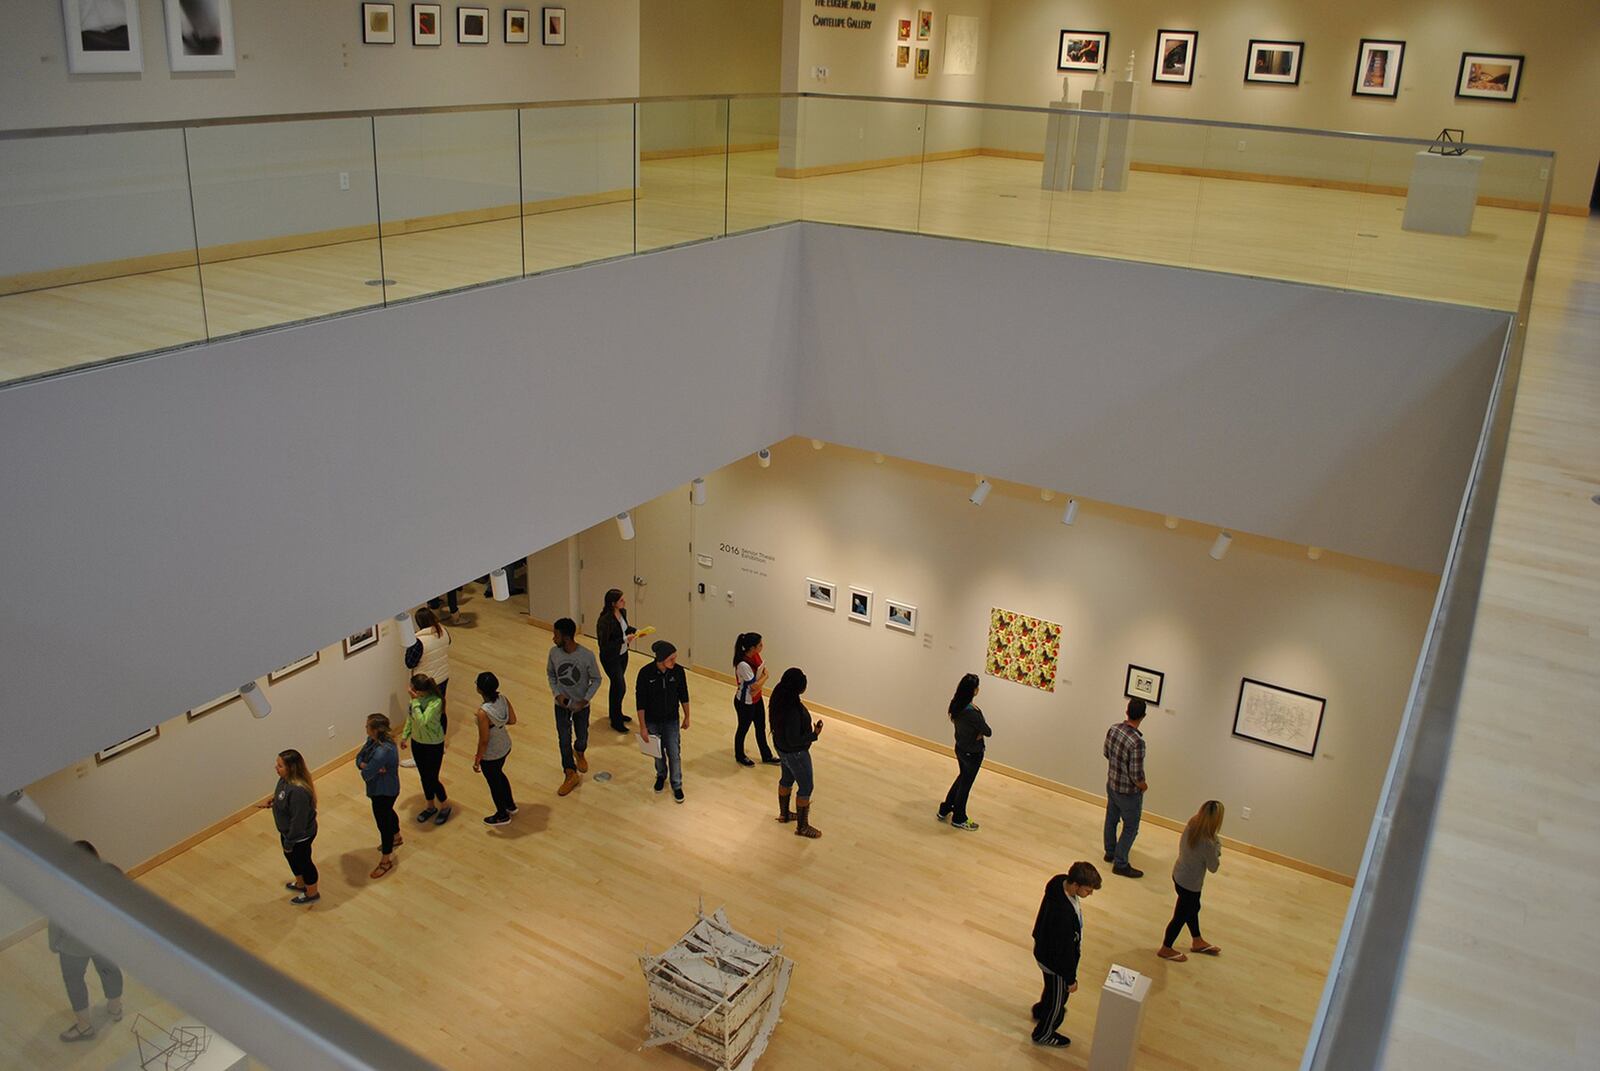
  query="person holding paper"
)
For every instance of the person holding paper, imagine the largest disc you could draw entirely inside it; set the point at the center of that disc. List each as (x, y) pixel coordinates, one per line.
(1057, 946)
(614, 635)
(659, 691)
(1199, 850)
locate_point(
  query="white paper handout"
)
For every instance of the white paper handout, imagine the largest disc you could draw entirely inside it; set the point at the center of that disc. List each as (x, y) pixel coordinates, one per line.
(1122, 979)
(651, 747)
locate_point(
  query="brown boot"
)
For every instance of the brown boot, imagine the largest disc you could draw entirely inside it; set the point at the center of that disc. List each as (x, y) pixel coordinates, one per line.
(783, 806)
(583, 763)
(804, 828)
(574, 779)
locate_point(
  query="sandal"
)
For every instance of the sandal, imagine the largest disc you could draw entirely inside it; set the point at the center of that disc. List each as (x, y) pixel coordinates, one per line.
(1207, 950)
(77, 1032)
(294, 886)
(381, 869)
(1172, 955)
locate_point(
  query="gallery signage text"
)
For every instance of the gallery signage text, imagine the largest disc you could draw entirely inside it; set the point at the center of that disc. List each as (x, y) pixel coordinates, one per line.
(844, 22)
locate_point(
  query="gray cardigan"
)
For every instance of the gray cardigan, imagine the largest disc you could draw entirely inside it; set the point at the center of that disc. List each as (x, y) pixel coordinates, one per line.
(1190, 869)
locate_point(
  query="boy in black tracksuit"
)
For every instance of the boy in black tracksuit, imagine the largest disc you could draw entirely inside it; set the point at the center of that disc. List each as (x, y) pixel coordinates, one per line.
(1057, 941)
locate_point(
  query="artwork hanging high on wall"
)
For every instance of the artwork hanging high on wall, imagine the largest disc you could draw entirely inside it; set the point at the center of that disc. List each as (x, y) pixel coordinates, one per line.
(861, 605)
(1083, 50)
(293, 667)
(902, 55)
(900, 615)
(121, 746)
(1279, 717)
(961, 44)
(472, 25)
(1175, 51)
(360, 641)
(1275, 62)
(1144, 684)
(1023, 649)
(924, 25)
(554, 21)
(820, 592)
(102, 36)
(377, 24)
(924, 55)
(199, 35)
(1378, 68)
(216, 704)
(1488, 76)
(519, 26)
(903, 30)
(425, 25)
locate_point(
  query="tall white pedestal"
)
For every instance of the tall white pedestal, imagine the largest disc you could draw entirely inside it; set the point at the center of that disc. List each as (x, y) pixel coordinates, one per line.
(1443, 193)
(1119, 138)
(1090, 150)
(1058, 133)
(1116, 1029)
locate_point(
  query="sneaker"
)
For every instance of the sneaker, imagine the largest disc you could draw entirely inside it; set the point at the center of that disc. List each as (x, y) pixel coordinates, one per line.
(573, 780)
(942, 815)
(114, 1009)
(661, 783)
(1054, 1041)
(497, 820)
(1127, 871)
(443, 817)
(410, 764)
(427, 813)
(583, 763)
(304, 899)
(677, 795)
(511, 809)
(969, 825)
(742, 761)
(771, 761)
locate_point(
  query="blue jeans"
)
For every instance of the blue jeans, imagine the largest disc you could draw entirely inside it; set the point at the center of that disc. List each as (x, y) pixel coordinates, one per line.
(1128, 809)
(670, 757)
(796, 771)
(572, 732)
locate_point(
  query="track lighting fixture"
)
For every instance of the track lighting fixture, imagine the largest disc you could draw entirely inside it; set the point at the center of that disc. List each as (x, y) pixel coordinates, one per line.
(408, 629)
(1070, 514)
(816, 444)
(1314, 553)
(764, 458)
(1047, 495)
(697, 490)
(625, 525)
(255, 699)
(1171, 522)
(1220, 547)
(498, 585)
(981, 492)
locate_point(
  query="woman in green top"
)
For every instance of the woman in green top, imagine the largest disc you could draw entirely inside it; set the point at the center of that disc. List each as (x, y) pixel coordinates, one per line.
(425, 729)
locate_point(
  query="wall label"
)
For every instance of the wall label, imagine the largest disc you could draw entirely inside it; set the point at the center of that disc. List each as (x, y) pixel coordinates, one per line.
(844, 22)
(753, 562)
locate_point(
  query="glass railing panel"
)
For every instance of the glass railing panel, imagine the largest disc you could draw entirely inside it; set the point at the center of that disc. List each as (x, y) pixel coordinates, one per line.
(287, 221)
(859, 162)
(987, 192)
(683, 172)
(448, 198)
(577, 184)
(97, 255)
(757, 197)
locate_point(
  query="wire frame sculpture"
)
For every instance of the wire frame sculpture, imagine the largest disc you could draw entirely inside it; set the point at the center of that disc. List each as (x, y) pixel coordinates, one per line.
(169, 1050)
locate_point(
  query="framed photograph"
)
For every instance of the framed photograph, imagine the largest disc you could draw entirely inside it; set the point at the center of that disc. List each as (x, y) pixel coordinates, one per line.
(1378, 68)
(1278, 717)
(216, 704)
(553, 21)
(903, 30)
(121, 746)
(1175, 51)
(519, 26)
(820, 592)
(472, 25)
(861, 605)
(377, 24)
(425, 19)
(1144, 683)
(102, 36)
(923, 56)
(1083, 50)
(1274, 62)
(901, 615)
(293, 667)
(199, 35)
(902, 55)
(1487, 76)
(924, 25)
(360, 641)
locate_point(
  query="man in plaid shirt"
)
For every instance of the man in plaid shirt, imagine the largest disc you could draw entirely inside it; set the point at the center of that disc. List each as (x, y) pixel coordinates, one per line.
(1125, 788)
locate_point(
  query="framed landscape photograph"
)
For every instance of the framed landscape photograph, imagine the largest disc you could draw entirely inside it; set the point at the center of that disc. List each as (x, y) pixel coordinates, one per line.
(1488, 76)
(425, 25)
(1274, 62)
(1175, 57)
(903, 30)
(102, 36)
(861, 605)
(923, 55)
(216, 704)
(199, 35)
(554, 23)
(293, 667)
(902, 55)
(901, 615)
(121, 746)
(377, 24)
(1278, 717)
(472, 25)
(519, 23)
(924, 25)
(1378, 68)
(1083, 50)
(1144, 683)
(820, 592)
(360, 641)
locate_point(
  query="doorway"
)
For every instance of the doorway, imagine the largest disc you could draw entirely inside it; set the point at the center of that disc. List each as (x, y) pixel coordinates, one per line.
(654, 569)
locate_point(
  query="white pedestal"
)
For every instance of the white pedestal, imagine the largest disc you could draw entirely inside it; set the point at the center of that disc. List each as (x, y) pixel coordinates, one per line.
(1116, 1029)
(220, 1055)
(1090, 149)
(1443, 193)
(1058, 132)
(1119, 139)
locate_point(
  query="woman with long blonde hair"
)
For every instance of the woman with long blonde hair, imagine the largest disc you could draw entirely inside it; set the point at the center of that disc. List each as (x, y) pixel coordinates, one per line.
(294, 810)
(1199, 850)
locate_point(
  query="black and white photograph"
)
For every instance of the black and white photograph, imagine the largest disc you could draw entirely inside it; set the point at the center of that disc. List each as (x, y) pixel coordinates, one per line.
(554, 25)
(122, 746)
(360, 641)
(820, 593)
(293, 667)
(102, 36)
(425, 30)
(472, 25)
(1274, 62)
(1083, 50)
(199, 34)
(901, 615)
(1175, 50)
(1378, 68)
(218, 703)
(1144, 683)
(861, 605)
(377, 24)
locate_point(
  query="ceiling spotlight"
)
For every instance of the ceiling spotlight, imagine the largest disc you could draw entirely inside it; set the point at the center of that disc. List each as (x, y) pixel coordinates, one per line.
(1047, 495)
(980, 492)
(698, 490)
(498, 585)
(877, 459)
(408, 631)
(1070, 514)
(1314, 553)
(1220, 547)
(1171, 522)
(816, 444)
(625, 526)
(255, 699)
(764, 458)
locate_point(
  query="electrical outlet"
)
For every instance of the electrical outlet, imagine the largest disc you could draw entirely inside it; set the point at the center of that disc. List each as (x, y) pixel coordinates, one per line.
(1245, 814)
(1241, 145)
(344, 180)
(730, 596)
(1544, 173)
(330, 732)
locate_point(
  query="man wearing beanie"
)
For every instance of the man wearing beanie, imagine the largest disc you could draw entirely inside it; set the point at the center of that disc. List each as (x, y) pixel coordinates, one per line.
(661, 689)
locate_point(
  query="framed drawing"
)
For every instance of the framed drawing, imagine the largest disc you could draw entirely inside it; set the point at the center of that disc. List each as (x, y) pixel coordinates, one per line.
(1275, 62)
(961, 44)
(1488, 76)
(1144, 683)
(105, 754)
(554, 23)
(924, 25)
(923, 55)
(360, 641)
(199, 35)
(1278, 717)
(472, 25)
(425, 25)
(1175, 51)
(1083, 50)
(903, 30)
(293, 667)
(518, 26)
(102, 36)
(820, 593)
(901, 615)
(1378, 68)
(861, 605)
(216, 704)
(377, 24)
(1023, 649)
(902, 55)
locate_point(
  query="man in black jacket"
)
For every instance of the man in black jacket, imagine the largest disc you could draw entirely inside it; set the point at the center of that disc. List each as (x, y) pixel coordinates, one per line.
(1057, 942)
(660, 691)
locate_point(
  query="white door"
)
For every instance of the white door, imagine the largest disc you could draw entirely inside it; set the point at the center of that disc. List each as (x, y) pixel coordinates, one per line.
(654, 569)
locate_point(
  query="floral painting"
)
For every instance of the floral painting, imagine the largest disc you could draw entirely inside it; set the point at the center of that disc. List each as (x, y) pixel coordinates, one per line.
(1023, 649)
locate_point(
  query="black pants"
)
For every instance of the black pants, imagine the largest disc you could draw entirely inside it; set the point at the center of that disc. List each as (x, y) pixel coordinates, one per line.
(73, 969)
(1052, 1006)
(1187, 913)
(751, 715)
(444, 718)
(955, 801)
(388, 822)
(299, 859)
(429, 758)
(494, 772)
(616, 667)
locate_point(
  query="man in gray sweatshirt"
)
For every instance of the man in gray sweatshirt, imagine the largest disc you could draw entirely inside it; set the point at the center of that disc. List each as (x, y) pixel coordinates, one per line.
(574, 678)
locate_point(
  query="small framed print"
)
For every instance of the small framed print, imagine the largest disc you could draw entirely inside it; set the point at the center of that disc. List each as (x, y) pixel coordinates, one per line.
(1175, 51)
(1144, 683)
(924, 25)
(553, 24)
(425, 31)
(102, 36)
(1274, 62)
(377, 24)
(293, 667)
(360, 641)
(1488, 76)
(216, 704)
(861, 605)
(472, 25)
(121, 746)
(199, 35)
(1279, 717)
(924, 56)
(903, 30)
(902, 55)
(1083, 50)
(900, 615)
(1378, 68)
(518, 26)
(820, 593)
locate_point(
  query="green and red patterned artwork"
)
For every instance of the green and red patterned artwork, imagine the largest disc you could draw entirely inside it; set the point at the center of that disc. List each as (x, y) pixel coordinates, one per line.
(1023, 649)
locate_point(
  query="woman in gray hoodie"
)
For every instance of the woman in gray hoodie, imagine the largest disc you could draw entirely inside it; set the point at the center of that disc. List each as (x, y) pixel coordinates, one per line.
(294, 809)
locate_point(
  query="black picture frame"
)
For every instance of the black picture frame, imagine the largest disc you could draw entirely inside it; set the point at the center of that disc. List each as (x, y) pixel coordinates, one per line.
(360, 641)
(366, 35)
(1187, 79)
(1390, 91)
(1063, 64)
(527, 25)
(122, 747)
(418, 38)
(294, 667)
(553, 33)
(1465, 92)
(1127, 684)
(465, 13)
(1245, 683)
(1270, 78)
(196, 713)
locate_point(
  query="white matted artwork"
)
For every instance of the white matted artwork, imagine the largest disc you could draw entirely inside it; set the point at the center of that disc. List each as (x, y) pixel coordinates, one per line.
(1279, 717)
(199, 34)
(900, 615)
(1144, 683)
(102, 36)
(553, 25)
(961, 44)
(821, 593)
(360, 641)
(293, 667)
(377, 24)
(129, 744)
(861, 605)
(216, 704)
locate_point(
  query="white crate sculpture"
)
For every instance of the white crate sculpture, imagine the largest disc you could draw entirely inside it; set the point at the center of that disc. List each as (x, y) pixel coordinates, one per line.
(716, 994)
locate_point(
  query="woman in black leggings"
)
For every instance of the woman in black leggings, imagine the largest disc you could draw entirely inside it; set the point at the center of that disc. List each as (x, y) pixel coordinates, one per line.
(1199, 851)
(379, 763)
(612, 635)
(970, 731)
(294, 809)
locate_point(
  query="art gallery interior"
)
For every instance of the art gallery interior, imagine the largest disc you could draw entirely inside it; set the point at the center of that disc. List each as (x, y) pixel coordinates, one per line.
(884, 330)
